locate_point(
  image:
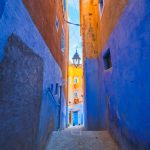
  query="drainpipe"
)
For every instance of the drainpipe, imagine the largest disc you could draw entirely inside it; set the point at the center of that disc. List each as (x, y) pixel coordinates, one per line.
(60, 99)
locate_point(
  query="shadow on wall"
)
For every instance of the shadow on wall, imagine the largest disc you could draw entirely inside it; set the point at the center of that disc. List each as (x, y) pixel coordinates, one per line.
(21, 82)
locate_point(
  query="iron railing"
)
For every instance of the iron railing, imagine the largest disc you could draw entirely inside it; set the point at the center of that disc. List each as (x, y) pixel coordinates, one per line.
(53, 98)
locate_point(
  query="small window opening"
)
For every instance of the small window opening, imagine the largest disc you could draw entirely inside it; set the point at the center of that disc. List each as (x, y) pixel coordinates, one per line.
(57, 23)
(107, 60)
(101, 5)
(56, 89)
(75, 80)
(52, 86)
(75, 95)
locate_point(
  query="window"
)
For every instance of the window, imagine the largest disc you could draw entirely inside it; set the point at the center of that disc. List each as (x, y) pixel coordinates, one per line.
(101, 6)
(75, 94)
(107, 60)
(57, 23)
(51, 87)
(63, 41)
(76, 80)
(56, 89)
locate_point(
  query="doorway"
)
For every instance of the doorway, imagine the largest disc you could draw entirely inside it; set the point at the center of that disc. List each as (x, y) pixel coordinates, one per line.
(75, 118)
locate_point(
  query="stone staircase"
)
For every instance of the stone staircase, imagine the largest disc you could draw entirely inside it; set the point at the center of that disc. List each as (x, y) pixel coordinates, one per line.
(76, 138)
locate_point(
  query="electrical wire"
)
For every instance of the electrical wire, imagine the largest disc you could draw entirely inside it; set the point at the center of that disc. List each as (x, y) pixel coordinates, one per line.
(76, 24)
(69, 22)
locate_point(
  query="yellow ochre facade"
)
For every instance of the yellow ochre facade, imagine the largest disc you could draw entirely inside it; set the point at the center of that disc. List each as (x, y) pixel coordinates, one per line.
(75, 85)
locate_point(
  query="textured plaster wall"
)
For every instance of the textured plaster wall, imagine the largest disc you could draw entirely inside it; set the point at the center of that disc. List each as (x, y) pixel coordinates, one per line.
(92, 112)
(124, 89)
(21, 79)
(112, 11)
(97, 27)
(45, 21)
(44, 15)
(16, 19)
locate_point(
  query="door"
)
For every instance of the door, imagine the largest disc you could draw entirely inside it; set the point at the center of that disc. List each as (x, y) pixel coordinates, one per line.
(75, 118)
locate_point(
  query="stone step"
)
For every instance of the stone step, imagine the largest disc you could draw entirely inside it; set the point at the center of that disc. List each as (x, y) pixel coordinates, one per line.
(78, 139)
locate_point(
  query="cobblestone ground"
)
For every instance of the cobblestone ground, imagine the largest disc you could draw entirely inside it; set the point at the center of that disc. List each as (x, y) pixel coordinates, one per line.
(76, 138)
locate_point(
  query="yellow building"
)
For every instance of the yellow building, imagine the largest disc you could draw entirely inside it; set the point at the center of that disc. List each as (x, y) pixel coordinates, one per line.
(75, 85)
(75, 95)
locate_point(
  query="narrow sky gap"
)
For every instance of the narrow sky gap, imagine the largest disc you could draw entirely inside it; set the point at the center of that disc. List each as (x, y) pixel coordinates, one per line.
(74, 31)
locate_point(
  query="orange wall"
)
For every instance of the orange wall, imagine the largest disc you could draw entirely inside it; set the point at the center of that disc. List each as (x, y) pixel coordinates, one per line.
(96, 29)
(89, 19)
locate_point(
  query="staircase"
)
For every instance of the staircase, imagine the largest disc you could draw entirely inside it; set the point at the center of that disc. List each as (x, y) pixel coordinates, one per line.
(76, 138)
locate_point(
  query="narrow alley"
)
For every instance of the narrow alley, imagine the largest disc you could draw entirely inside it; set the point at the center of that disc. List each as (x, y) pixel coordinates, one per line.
(74, 75)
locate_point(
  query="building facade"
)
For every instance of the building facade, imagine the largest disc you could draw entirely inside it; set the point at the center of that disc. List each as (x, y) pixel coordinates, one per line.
(116, 49)
(51, 23)
(33, 71)
(75, 95)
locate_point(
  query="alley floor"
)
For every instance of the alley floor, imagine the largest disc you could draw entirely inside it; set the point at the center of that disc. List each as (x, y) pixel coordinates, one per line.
(76, 138)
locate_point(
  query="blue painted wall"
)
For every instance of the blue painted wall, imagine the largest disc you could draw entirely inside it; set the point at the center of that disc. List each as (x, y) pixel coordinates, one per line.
(16, 19)
(126, 85)
(2, 5)
(92, 95)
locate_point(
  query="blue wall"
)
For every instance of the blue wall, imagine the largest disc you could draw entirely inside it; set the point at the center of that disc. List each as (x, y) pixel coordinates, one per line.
(16, 19)
(94, 117)
(127, 83)
(2, 5)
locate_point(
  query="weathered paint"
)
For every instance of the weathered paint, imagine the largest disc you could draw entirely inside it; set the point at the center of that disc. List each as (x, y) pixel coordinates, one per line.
(16, 19)
(44, 14)
(96, 27)
(112, 10)
(129, 81)
(123, 90)
(21, 83)
(50, 23)
(89, 21)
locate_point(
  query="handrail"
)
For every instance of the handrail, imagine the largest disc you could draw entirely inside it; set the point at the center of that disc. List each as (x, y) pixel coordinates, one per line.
(53, 98)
